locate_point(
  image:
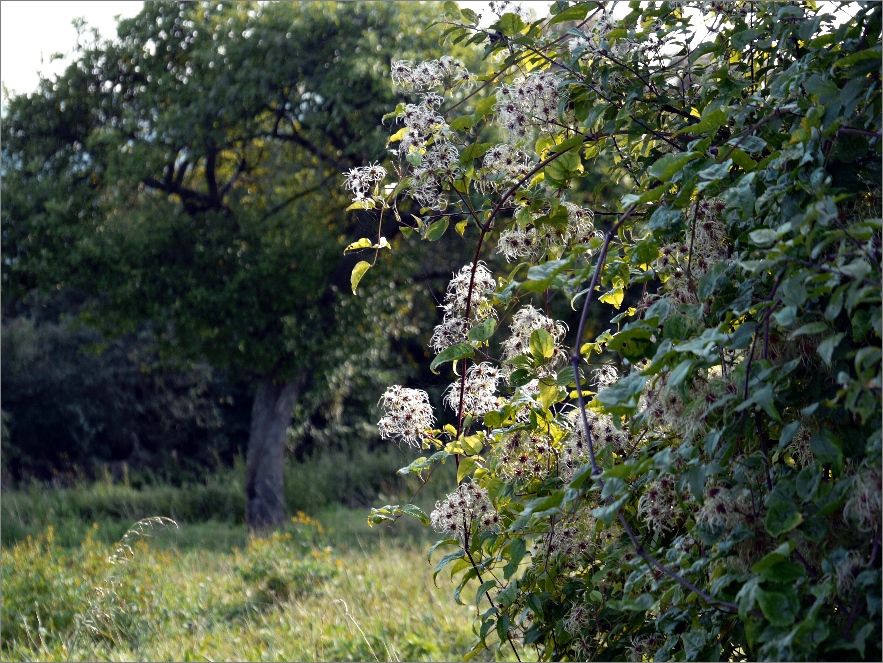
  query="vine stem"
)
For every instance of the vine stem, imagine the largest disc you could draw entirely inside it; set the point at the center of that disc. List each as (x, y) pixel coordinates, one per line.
(596, 471)
(488, 594)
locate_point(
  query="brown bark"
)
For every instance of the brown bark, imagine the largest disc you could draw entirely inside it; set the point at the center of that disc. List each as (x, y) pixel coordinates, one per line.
(264, 478)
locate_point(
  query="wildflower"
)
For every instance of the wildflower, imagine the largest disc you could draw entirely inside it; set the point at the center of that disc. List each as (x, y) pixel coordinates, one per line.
(408, 415)
(517, 243)
(500, 7)
(445, 72)
(847, 571)
(502, 166)
(578, 619)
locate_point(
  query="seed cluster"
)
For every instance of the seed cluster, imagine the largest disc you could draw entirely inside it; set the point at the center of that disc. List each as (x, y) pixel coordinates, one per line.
(455, 325)
(408, 415)
(465, 510)
(529, 103)
(479, 390)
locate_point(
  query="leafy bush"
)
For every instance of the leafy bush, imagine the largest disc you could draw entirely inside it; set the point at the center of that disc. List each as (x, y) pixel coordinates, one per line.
(702, 479)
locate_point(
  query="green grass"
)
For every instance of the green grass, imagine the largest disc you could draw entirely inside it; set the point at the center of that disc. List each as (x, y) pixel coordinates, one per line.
(326, 587)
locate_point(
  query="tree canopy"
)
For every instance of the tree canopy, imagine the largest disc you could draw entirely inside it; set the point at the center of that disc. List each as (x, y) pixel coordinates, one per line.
(180, 172)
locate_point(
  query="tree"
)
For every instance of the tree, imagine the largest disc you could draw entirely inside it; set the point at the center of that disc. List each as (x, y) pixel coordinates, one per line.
(701, 481)
(180, 174)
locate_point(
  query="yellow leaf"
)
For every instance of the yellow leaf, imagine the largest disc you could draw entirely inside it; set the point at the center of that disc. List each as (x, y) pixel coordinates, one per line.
(614, 297)
(398, 135)
(363, 243)
(361, 204)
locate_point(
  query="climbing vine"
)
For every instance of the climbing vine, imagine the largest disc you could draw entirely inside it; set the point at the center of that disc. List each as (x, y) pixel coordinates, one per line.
(688, 466)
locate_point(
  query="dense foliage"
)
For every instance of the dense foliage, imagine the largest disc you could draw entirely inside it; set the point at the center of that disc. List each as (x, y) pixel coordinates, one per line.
(701, 481)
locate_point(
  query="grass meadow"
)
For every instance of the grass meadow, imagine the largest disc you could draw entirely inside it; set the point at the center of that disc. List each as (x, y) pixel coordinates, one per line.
(79, 583)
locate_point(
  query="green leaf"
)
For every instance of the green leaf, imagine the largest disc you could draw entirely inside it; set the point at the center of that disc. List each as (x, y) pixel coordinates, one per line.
(503, 623)
(664, 218)
(649, 196)
(807, 482)
(784, 572)
(414, 511)
(565, 167)
(461, 227)
(780, 553)
(462, 122)
(548, 392)
(542, 345)
(680, 373)
(447, 559)
(517, 550)
(568, 144)
(779, 608)
(437, 229)
(493, 419)
(782, 516)
(507, 596)
(483, 331)
(454, 353)
(358, 272)
(483, 589)
(467, 465)
(472, 444)
(607, 513)
(510, 24)
(741, 39)
(826, 348)
(575, 13)
(811, 328)
(439, 544)
(665, 168)
(476, 151)
(787, 434)
(763, 236)
(867, 54)
(709, 123)
(826, 448)
(483, 107)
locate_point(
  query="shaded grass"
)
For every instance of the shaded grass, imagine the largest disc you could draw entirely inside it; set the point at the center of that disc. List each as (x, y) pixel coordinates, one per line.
(361, 479)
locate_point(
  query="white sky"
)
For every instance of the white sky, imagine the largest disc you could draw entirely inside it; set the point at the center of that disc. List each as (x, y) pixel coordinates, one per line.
(31, 31)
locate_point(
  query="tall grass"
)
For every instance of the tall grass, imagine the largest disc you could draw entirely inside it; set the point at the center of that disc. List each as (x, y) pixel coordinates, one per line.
(291, 596)
(79, 584)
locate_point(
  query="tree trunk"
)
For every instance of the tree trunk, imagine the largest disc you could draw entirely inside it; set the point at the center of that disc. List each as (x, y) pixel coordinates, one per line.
(264, 479)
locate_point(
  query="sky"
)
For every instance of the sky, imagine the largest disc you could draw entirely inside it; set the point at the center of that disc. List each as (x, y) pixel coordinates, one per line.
(32, 31)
